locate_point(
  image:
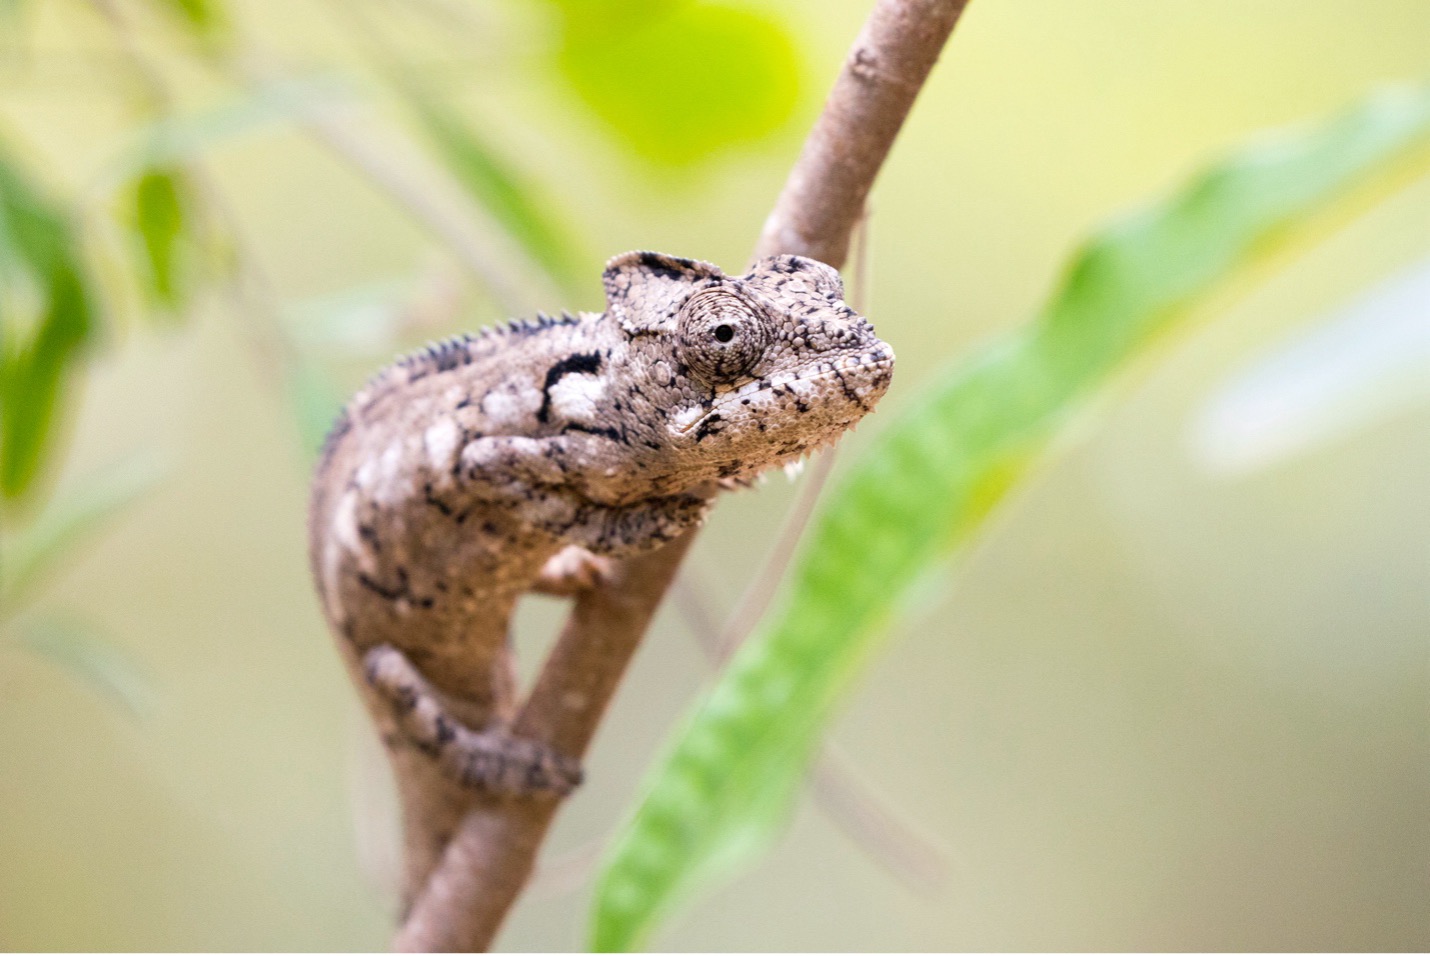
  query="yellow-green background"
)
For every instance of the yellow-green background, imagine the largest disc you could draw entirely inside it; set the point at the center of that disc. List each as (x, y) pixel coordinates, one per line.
(1153, 708)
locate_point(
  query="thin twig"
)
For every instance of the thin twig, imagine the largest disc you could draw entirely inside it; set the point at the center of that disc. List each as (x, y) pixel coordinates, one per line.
(839, 790)
(762, 587)
(825, 193)
(491, 855)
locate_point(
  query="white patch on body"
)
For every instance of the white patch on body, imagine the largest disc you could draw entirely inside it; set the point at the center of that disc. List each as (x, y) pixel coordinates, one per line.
(332, 566)
(391, 479)
(441, 441)
(343, 540)
(511, 404)
(501, 406)
(345, 533)
(574, 397)
(686, 418)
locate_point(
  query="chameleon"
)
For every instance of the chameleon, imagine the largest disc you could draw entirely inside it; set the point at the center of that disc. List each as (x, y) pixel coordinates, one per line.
(521, 458)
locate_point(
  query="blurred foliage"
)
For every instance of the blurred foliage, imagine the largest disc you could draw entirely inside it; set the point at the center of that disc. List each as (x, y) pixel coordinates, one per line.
(678, 81)
(153, 224)
(205, 19)
(935, 474)
(96, 662)
(727, 77)
(46, 320)
(493, 184)
(30, 558)
(162, 211)
(31, 554)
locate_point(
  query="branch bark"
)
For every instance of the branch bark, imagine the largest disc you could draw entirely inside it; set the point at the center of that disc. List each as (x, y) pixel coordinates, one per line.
(491, 856)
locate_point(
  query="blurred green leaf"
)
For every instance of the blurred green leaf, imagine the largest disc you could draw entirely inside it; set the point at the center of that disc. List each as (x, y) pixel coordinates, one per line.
(29, 555)
(933, 476)
(680, 81)
(161, 200)
(495, 185)
(94, 661)
(46, 317)
(205, 19)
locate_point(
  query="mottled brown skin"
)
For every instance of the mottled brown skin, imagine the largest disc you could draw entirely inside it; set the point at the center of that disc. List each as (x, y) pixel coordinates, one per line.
(489, 466)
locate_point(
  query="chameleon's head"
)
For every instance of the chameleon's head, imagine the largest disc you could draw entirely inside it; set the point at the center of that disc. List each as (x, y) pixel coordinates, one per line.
(751, 371)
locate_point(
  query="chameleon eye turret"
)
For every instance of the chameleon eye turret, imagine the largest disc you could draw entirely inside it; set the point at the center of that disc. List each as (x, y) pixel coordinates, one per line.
(722, 337)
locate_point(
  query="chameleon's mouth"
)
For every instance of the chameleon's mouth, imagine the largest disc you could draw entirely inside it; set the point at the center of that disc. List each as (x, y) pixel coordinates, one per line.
(863, 380)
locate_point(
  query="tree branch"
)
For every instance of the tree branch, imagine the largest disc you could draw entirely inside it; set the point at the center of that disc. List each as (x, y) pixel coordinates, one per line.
(492, 854)
(824, 195)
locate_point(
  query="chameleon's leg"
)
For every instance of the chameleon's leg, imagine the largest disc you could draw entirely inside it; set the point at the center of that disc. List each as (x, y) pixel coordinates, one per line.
(622, 531)
(570, 571)
(489, 759)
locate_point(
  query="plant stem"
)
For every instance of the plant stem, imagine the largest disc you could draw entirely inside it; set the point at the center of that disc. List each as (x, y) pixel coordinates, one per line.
(492, 854)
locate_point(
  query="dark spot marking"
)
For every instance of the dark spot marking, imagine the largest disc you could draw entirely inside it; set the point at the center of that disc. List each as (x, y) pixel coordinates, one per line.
(849, 393)
(605, 432)
(436, 502)
(369, 534)
(446, 733)
(381, 590)
(666, 266)
(401, 591)
(707, 426)
(587, 363)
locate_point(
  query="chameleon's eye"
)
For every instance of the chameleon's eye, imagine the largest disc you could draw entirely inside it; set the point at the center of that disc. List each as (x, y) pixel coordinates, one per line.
(721, 336)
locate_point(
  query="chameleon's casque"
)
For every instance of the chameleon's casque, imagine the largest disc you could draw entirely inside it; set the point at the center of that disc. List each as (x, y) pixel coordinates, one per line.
(491, 465)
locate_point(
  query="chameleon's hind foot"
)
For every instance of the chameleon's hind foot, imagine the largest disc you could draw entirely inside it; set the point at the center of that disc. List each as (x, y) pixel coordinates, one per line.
(571, 571)
(491, 759)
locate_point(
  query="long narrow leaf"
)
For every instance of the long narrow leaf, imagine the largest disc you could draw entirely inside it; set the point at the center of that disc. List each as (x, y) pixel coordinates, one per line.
(928, 483)
(95, 662)
(27, 557)
(493, 184)
(40, 271)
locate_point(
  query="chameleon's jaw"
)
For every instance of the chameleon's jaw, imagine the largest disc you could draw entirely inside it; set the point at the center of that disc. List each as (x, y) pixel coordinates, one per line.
(772, 421)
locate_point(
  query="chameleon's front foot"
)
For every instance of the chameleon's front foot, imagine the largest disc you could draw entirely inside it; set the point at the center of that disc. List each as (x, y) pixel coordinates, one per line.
(492, 760)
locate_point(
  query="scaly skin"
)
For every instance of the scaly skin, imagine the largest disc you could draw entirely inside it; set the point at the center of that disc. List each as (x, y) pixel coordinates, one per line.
(489, 466)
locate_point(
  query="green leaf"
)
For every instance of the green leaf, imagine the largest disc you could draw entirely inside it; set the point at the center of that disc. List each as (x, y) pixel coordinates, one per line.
(205, 19)
(933, 476)
(494, 185)
(46, 318)
(29, 556)
(678, 82)
(161, 200)
(95, 662)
